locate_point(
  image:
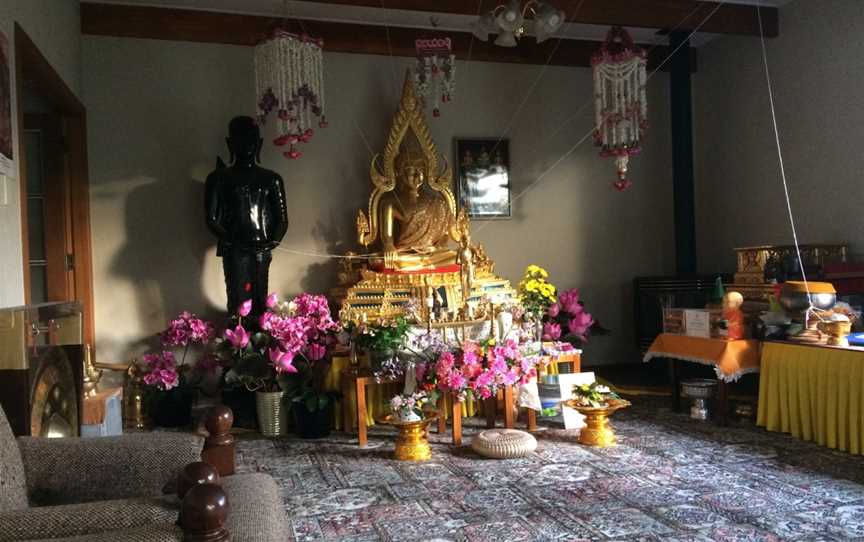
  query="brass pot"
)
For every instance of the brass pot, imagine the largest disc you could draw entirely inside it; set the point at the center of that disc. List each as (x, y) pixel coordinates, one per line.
(837, 331)
(272, 413)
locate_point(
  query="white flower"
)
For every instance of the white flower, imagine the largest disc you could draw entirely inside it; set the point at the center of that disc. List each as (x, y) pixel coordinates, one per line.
(602, 389)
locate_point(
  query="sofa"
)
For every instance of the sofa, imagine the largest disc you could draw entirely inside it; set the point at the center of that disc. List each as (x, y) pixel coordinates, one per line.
(118, 488)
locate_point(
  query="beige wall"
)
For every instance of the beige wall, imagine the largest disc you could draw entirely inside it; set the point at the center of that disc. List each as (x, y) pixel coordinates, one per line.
(158, 114)
(55, 28)
(816, 74)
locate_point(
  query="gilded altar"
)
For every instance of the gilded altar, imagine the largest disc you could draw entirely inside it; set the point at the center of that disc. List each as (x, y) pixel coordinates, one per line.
(755, 263)
(415, 244)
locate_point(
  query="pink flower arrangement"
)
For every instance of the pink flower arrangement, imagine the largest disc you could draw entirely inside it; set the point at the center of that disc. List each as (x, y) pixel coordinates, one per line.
(238, 337)
(479, 370)
(162, 371)
(568, 314)
(305, 328)
(187, 328)
(551, 331)
(290, 338)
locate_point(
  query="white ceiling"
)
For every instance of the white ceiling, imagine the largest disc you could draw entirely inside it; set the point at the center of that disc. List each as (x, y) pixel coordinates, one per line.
(400, 18)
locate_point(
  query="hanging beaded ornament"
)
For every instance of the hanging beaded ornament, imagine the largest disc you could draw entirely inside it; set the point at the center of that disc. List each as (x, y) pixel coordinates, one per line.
(289, 79)
(435, 72)
(620, 102)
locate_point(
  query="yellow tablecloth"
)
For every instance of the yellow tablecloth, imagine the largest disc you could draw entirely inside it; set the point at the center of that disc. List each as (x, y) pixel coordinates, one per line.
(730, 359)
(814, 393)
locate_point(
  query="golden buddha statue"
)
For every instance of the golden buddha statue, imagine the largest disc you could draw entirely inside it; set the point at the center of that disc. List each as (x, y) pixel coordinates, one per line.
(412, 208)
(416, 222)
(409, 227)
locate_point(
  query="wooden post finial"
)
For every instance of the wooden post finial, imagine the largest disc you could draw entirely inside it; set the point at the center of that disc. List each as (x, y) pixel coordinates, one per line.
(203, 514)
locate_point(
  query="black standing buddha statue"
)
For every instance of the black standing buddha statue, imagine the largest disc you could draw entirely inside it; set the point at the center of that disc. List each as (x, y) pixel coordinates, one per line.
(246, 210)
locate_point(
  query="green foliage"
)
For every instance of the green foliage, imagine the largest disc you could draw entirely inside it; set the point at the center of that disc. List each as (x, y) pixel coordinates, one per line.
(307, 388)
(380, 337)
(594, 394)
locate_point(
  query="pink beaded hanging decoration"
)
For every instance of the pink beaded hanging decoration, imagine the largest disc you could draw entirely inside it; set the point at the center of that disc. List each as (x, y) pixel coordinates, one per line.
(289, 79)
(435, 72)
(620, 101)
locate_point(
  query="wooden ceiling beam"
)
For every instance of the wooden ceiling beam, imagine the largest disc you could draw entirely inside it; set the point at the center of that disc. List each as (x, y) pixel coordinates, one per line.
(659, 14)
(228, 28)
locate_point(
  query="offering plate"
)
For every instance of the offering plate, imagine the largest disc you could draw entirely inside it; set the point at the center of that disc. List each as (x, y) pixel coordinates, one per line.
(412, 443)
(597, 431)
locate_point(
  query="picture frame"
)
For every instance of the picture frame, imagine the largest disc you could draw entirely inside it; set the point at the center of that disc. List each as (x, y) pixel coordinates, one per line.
(483, 177)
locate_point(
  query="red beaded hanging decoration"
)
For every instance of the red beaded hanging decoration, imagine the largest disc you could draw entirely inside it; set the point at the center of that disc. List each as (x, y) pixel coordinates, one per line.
(620, 101)
(435, 72)
(289, 79)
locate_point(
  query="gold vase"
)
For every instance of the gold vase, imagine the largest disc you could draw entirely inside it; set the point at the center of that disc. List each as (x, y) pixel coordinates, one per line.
(272, 413)
(836, 331)
(412, 443)
(597, 431)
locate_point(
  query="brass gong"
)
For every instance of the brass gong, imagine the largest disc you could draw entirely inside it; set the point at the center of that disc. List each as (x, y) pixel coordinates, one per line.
(54, 411)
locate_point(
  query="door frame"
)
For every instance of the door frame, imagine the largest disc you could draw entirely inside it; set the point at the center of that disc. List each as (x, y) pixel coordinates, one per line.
(32, 67)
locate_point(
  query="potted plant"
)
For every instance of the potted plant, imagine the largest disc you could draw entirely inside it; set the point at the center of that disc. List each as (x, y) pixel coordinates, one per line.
(284, 359)
(382, 340)
(170, 385)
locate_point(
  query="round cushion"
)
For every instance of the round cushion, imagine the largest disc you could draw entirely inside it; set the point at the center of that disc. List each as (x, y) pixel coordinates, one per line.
(504, 443)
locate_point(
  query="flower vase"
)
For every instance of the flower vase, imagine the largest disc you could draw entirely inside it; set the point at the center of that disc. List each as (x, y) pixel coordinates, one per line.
(538, 330)
(272, 413)
(312, 424)
(410, 416)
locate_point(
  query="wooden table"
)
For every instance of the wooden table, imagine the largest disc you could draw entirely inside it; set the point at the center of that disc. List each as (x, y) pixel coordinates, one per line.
(357, 380)
(730, 359)
(491, 405)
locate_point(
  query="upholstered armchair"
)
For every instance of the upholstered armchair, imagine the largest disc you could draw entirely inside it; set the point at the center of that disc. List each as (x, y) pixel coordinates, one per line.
(111, 489)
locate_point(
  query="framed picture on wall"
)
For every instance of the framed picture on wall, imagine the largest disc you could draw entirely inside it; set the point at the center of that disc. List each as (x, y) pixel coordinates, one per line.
(483, 180)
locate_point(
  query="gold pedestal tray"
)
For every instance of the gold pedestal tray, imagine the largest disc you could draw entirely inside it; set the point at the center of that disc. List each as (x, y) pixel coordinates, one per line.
(597, 431)
(412, 443)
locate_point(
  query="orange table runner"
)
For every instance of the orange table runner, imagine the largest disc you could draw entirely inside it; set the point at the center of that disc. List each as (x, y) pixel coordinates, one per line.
(730, 359)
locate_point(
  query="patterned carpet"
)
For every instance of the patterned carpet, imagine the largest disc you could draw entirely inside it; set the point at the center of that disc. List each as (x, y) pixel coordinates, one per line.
(668, 479)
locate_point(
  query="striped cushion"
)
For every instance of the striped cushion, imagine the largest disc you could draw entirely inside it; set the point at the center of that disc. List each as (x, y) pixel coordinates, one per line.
(85, 519)
(504, 443)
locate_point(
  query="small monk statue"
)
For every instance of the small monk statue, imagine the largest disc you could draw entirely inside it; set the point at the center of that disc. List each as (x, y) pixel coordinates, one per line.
(415, 221)
(733, 316)
(466, 260)
(246, 210)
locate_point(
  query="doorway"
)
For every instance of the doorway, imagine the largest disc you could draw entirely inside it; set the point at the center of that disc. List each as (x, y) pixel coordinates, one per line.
(55, 207)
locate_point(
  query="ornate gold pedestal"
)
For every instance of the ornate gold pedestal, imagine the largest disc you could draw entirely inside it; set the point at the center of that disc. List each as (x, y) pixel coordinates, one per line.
(412, 443)
(407, 234)
(597, 431)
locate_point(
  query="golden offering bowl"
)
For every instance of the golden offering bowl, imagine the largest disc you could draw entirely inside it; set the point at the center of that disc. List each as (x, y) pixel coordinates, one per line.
(412, 443)
(836, 331)
(597, 431)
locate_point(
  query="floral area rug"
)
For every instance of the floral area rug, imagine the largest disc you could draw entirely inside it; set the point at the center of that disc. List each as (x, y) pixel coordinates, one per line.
(669, 479)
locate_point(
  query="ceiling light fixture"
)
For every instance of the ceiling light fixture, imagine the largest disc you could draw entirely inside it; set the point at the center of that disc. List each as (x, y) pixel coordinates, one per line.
(508, 21)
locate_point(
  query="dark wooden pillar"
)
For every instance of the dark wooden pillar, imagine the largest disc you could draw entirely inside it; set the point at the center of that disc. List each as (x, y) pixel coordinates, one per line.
(682, 154)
